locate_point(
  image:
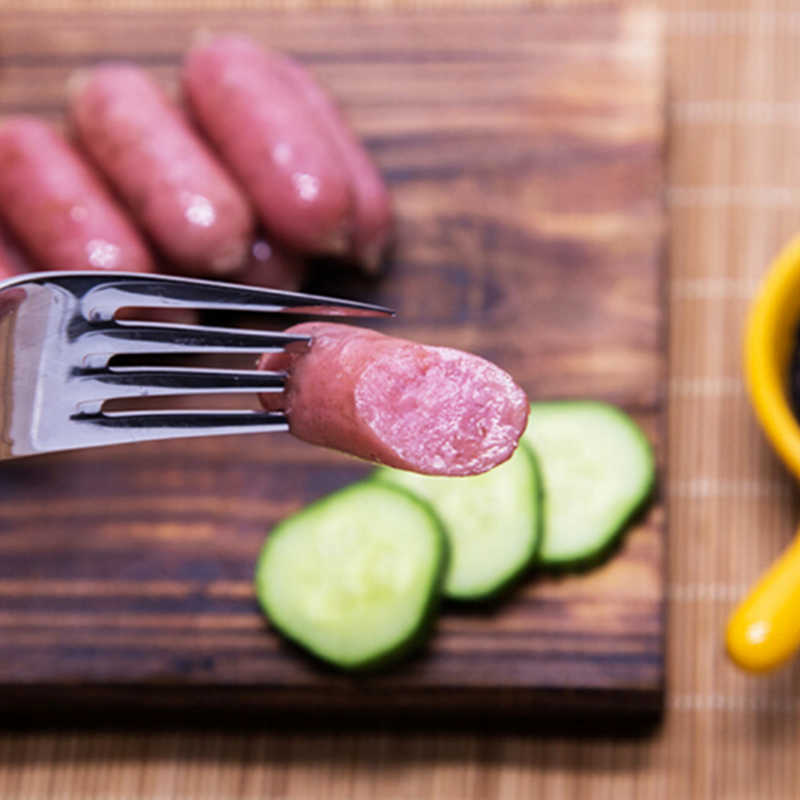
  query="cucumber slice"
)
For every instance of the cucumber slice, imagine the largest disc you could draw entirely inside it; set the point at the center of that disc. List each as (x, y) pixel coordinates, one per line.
(597, 468)
(354, 578)
(492, 522)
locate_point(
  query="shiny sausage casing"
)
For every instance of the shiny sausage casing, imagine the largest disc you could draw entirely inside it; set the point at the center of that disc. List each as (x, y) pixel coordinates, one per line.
(273, 268)
(373, 207)
(57, 207)
(175, 186)
(272, 139)
(432, 410)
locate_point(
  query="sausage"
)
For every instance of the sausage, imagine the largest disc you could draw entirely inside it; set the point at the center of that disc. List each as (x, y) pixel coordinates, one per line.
(172, 182)
(270, 137)
(373, 207)
(7, 267)
(11, 262)
(57, 207)
(432, 410)
(273, 268)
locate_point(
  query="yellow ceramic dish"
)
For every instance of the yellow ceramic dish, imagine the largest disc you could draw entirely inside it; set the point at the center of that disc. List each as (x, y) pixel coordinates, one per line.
(764, 631)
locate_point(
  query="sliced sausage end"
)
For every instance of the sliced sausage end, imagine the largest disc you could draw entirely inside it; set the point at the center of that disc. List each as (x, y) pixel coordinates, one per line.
(433, 410)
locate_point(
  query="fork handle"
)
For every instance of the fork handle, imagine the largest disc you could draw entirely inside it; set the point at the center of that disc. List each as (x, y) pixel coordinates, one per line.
(764, 631)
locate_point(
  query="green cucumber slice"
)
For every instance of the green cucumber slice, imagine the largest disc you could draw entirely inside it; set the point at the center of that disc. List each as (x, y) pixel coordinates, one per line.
(354, 577)
(597, 468)
(492, 522)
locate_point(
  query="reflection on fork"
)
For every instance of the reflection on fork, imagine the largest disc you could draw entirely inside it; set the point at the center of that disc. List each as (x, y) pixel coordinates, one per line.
(59, 332)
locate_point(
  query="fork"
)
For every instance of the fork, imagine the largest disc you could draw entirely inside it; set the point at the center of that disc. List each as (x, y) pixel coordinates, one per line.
(59, 332)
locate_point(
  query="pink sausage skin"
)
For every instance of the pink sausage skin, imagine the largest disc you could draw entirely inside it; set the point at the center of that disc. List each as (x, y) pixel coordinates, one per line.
(7, 267)
(373, 207)
(57, 208)
(172, 182)
(11, 262)
(432, 410)
(272, 141)
(273, 268)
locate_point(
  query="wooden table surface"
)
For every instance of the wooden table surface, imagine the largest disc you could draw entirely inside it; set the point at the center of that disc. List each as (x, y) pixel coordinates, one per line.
(734, 198)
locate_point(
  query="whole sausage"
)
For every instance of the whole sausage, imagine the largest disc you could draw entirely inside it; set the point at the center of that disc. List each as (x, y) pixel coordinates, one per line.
(373, 208)
(174, 185)
(57, 207)
(432, 410)
(270, 137)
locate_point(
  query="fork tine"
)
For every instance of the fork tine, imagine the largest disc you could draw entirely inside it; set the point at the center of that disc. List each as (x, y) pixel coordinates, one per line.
(172, 380)
(114, 383)
(103, 340)
(134, 426)
(104, 297)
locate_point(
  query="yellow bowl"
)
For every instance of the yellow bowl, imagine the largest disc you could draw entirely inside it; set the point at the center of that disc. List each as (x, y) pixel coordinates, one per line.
(764, 631)
(769, 343)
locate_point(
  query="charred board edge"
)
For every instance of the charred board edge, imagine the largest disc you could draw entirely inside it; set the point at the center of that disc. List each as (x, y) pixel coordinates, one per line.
(577, 712)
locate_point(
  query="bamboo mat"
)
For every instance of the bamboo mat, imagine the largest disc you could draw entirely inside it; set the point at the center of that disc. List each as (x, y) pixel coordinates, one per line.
(734, 198)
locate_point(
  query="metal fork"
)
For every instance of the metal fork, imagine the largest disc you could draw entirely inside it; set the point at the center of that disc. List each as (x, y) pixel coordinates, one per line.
(59, 332)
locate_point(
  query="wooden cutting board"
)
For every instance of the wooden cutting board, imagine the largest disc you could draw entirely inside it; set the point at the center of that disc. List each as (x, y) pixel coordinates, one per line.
(525, 154)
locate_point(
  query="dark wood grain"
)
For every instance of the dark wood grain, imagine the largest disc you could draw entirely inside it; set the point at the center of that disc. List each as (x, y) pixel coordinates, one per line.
(525, 154)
